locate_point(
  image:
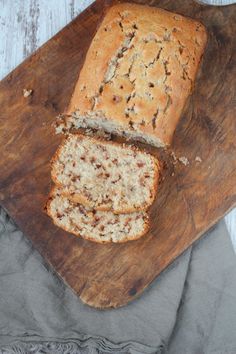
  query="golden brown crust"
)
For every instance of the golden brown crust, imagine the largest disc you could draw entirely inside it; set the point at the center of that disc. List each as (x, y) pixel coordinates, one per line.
(152, 56)
(79, 198)
(48, 211)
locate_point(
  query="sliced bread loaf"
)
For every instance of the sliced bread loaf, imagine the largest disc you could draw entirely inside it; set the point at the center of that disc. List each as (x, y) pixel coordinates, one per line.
(97, 226)
(105, 175)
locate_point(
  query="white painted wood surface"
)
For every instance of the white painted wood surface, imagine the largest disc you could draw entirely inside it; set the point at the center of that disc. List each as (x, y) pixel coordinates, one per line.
(27, 24)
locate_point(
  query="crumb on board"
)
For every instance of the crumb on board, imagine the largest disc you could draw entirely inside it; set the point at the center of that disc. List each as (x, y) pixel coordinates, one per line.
(174, 157)
(162, 178)
(27, 92)
(184, 160)
(59, 125)
(172, 174)
(198, 159)
(59, 129)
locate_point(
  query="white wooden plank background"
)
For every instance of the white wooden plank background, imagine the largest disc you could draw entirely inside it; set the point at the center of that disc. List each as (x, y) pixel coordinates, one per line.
(27, 24)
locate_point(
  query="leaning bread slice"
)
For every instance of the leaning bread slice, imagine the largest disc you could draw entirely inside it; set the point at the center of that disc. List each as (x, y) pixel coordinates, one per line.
(97, 226)
(105, 175)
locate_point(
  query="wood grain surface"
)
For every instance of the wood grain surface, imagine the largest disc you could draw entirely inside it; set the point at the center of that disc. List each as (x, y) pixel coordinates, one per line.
(188, 203)
(32, 22)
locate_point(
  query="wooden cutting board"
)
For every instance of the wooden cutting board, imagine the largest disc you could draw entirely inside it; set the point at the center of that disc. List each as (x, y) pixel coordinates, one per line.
(189, 202)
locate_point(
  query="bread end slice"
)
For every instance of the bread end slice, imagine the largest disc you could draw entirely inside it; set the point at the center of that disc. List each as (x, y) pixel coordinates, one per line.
(94, 225)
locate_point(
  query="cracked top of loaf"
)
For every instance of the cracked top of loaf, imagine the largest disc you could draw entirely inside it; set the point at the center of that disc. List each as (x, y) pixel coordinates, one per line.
(138, 72)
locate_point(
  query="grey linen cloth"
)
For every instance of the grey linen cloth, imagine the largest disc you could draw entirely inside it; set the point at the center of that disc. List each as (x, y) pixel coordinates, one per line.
(189, 309)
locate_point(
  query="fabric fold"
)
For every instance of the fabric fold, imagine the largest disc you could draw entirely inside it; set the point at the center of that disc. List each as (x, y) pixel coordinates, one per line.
(188, 309)
(35, 305)
(206, 320)
(86, 345)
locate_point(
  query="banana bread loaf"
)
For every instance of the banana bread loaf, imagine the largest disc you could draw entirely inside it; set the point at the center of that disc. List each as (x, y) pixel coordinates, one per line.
(138, 73)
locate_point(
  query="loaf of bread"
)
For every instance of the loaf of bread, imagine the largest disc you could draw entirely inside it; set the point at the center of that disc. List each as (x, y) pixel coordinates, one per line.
(97, 226)
(105, 175)
(138, 73)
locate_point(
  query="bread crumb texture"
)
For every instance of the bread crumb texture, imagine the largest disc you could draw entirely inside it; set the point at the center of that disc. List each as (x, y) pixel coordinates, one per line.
(184, 160)
(27, 92)
(105, 175)
(136, 83)
(198, 159)
(98, 226)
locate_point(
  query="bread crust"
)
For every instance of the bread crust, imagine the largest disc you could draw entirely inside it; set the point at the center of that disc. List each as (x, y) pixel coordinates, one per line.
(169, 60)
(49, 213)
(79, 198)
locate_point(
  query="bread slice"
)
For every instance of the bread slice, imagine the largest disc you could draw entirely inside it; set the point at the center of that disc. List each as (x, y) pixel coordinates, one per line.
(94, 225)
(136, 83)
(105, 175)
